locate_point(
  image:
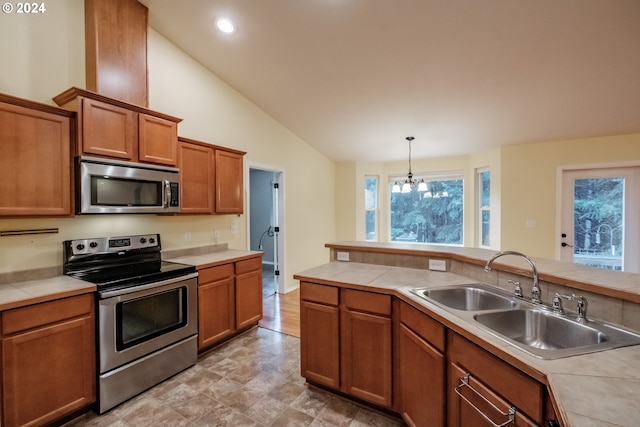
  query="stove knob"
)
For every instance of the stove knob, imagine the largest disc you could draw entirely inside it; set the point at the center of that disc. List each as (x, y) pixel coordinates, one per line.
(93, 245)
(80, 246)
(143, 240)
(152, 240)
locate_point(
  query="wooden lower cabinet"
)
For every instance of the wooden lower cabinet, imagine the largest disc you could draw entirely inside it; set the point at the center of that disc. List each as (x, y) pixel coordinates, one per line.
(399, 358)
(345, 336)
(422, 369)
(248, 292)
(216, 305)
(320, 334)
(229, 300)
(48, 359)
(483, 387)
(366, 341)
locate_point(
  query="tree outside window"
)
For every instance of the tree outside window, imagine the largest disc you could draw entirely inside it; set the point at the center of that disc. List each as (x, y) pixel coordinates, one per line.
(435, 216)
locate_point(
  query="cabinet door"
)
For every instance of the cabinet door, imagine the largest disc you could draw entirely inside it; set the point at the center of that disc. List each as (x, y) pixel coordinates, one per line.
(196, 178)
(108, 130)
(476, 405)
(366, 356)
(422, 381)
(35, 165)
(320, 343)
(216, 312)
(48, 372)
(229, 182)
(157, 140)
(248, 292)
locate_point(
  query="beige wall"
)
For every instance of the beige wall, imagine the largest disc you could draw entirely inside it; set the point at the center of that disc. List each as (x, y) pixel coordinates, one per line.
(44, 55)
(529, 185)
(524, 179)
(49, 58)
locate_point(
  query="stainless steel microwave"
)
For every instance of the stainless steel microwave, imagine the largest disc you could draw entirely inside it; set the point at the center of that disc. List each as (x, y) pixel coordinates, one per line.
(112, 186)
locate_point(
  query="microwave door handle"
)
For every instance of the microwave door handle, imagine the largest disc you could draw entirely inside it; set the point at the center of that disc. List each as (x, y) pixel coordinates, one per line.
(167, 194)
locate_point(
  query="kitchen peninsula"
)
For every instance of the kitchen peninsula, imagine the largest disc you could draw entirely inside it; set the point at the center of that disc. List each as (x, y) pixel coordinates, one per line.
(596, 389)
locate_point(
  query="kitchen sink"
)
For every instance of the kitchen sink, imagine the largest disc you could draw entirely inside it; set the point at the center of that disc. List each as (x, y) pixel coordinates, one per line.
(472, 297)
(549, 335)
(533, 328)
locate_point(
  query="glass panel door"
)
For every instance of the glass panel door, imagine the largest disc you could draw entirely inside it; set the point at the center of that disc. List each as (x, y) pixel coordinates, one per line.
(597, 226)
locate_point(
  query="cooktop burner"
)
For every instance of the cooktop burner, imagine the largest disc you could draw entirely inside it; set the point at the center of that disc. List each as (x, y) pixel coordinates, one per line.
(120, 262)
(133, 274)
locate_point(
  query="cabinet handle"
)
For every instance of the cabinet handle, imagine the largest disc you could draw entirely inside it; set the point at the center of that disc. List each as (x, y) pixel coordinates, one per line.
(464, 382)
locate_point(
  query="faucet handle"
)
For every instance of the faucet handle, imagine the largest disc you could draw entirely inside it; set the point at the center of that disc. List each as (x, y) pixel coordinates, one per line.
(518, 290)
(581, 302)
(557, 303)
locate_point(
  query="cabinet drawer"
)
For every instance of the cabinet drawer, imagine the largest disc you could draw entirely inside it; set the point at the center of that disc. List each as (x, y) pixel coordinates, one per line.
(319, 293)
(24, 318)
(512, 385)
(213, 274)
(367, 301)
(248, 265)
(428, 329)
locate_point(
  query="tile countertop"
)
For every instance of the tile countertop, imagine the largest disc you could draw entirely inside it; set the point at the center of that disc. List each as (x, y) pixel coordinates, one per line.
(215, 258)
(21, 294)
(597, 389)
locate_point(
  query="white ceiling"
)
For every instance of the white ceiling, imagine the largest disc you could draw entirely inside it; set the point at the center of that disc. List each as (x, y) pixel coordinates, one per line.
(353, 78)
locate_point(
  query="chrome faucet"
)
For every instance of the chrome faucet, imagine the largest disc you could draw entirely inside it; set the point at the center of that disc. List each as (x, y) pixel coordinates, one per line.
(535, 291)
(581, 302)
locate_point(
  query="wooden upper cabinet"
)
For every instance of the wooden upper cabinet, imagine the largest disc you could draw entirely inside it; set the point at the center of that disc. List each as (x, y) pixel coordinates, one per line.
(229, 181)
(116, 41)
(196, 164)
(35, 165)
(111, 128)
(157, 141)
(107, 130)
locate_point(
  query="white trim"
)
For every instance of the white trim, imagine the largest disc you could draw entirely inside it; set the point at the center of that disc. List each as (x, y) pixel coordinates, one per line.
(281, 252)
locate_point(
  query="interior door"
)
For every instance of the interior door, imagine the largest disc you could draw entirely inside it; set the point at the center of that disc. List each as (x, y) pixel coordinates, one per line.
(599, 224)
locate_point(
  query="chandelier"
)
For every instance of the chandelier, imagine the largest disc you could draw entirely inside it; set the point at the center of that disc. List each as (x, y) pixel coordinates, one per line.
(409, 183)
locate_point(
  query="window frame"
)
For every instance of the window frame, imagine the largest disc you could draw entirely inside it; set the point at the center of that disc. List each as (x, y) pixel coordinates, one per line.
(375, 210)
(481, 209)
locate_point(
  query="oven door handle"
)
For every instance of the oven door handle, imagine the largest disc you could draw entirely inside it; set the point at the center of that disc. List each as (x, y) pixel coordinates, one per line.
(124, 291)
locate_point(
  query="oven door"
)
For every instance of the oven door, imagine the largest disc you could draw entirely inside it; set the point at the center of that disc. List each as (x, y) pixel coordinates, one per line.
(140, 320)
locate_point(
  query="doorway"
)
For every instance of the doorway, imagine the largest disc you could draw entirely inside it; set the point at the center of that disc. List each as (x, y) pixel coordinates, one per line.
(599, 218)
(266, 209)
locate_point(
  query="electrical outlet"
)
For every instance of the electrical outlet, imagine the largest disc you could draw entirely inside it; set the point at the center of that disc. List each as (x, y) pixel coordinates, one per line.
(438, 265)
(234, 228)
(343, 256)
(187, 236)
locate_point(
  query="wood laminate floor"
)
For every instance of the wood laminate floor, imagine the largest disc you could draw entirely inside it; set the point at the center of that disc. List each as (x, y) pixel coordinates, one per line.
(281, 313)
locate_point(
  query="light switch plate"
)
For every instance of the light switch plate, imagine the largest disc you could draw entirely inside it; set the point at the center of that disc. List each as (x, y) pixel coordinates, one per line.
(438, 265)
(343, 256)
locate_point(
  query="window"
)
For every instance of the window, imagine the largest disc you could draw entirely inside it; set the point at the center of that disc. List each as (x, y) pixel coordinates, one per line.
(434, 216)
(371, 207)
(484, 198)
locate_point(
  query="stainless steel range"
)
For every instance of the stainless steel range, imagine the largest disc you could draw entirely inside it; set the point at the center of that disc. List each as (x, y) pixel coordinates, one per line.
(146, 312)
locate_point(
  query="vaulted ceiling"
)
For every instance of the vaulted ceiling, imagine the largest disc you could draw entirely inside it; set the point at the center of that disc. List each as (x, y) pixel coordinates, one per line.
(353, 78)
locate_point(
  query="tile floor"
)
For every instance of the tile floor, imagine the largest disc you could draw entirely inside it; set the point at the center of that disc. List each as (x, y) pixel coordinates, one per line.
(253, 380)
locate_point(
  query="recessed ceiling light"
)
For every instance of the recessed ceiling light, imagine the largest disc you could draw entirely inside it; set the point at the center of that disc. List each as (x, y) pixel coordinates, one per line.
(225, 25)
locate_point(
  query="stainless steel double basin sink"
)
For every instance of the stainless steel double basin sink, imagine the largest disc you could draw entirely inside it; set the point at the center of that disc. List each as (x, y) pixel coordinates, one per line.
(534, 328)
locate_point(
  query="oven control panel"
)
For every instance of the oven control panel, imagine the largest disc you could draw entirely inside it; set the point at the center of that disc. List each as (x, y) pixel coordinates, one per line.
(114, 244)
